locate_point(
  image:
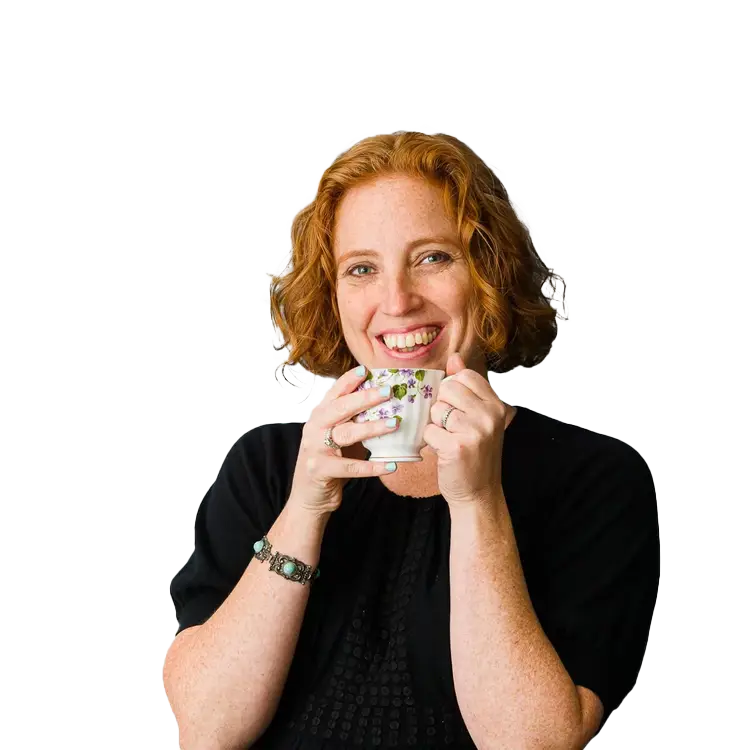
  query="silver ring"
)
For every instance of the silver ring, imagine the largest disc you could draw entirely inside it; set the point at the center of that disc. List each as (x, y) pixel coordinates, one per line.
(329, 441)
(446, 415)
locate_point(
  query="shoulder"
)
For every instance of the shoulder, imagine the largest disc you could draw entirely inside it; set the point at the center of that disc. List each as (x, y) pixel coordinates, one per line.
(266, 453)
(268, 446)
(576, 448)
(278, 438)
(585, 469)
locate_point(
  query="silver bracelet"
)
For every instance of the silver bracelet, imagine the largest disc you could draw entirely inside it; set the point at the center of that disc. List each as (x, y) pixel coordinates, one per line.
(286, 566)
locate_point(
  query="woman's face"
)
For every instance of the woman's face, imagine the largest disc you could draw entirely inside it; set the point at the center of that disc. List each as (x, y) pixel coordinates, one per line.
(387, 285)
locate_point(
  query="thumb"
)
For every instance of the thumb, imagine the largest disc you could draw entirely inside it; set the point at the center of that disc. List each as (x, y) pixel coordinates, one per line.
(454, 364)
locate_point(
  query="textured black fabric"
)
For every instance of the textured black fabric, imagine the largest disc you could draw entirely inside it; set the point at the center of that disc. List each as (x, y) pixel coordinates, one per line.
(372, 666)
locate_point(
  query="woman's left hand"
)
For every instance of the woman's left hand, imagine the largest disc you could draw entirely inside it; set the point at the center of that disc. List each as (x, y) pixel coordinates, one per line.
(469, 448)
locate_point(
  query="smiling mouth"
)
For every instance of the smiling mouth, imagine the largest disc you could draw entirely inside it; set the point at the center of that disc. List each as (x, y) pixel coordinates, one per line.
(411, 342)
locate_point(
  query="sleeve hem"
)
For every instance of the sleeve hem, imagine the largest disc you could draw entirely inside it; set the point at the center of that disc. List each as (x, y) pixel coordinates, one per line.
(598, 685)
(198, 610)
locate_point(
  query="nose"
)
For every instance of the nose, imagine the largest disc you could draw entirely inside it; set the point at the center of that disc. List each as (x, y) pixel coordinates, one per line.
(400, 296)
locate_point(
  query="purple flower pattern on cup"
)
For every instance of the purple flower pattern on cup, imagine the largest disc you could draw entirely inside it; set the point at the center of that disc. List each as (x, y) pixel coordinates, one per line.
(405, 383)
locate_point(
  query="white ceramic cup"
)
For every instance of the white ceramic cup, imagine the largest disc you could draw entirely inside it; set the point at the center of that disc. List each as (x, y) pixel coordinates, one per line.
(414, 391)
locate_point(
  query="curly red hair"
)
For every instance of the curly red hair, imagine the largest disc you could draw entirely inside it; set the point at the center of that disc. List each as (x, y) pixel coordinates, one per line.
(513, 319)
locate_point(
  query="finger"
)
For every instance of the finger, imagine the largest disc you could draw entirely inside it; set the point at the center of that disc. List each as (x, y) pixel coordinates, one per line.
(349, 405)
(349, 433)
(458, 394)
(437, 438)
(474, 382)
(323, 466)
(455, 418)
(345, 384)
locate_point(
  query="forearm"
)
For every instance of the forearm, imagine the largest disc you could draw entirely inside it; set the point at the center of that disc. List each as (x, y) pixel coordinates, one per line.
(512, 688)
(227, 685)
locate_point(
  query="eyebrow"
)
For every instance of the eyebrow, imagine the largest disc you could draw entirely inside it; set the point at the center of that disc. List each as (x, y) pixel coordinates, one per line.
(438, 240)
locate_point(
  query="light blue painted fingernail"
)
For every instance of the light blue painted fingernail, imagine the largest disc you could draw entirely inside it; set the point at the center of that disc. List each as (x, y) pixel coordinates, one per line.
(391, 466)
(392, 422)
(385, 390)
(360, 371)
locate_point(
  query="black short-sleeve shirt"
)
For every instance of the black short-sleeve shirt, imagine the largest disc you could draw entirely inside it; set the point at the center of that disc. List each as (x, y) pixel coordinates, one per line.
(372, 665)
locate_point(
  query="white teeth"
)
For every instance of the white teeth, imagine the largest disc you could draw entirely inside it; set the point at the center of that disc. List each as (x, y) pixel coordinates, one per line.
(409, 341)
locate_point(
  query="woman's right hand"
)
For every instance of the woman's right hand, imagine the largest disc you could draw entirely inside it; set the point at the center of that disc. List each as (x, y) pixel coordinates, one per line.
(320, 471)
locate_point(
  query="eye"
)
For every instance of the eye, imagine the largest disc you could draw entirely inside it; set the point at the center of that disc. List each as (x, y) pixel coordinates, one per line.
(436, 255)
(354, 268)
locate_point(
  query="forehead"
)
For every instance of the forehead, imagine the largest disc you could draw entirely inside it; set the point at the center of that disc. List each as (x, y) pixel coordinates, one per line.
(390, 211)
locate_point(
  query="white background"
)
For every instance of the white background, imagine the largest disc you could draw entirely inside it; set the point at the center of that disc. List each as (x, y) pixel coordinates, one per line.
(152, 158)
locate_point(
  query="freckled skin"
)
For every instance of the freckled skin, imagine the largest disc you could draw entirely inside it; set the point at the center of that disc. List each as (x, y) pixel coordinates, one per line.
(398, 287)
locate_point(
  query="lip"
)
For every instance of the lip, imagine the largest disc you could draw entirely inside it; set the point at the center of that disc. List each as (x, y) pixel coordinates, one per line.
(416, 354)
(393, 331)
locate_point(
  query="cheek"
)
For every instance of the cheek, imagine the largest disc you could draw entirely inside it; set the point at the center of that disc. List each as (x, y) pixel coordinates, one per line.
(452, 288)
(353, 311)
(451, 298)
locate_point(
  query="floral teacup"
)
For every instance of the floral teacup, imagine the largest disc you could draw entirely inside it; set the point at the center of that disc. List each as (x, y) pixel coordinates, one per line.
(413, 394)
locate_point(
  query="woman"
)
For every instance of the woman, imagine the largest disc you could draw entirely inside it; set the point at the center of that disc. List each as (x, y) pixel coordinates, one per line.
(498, 594)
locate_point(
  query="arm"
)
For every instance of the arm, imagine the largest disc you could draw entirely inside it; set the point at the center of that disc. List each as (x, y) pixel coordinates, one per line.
(512, 689)
(224, 678)
(548, 674)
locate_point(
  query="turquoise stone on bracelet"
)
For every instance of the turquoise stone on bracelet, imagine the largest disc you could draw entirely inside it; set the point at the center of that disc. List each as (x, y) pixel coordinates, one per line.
(317, 573)
(258, 546)
(289, 568)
